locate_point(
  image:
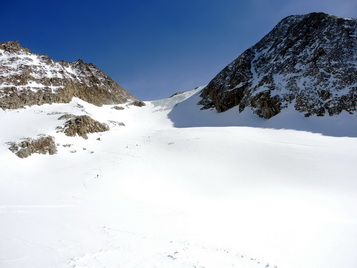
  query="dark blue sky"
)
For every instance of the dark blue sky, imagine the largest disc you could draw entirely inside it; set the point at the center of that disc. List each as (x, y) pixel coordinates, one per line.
(152, 48)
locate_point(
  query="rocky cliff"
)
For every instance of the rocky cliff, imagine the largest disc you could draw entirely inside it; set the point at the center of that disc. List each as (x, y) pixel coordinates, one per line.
(29, 79)
(307, 61)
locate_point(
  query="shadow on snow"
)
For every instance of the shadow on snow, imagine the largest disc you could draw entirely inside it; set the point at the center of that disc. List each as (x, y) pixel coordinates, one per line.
(188, 114)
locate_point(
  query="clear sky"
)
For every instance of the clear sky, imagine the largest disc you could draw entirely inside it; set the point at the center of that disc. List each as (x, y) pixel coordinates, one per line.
(153, 48)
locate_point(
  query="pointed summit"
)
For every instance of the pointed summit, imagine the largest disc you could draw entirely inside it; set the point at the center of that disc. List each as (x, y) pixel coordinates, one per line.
(306, 61)
(12, 47)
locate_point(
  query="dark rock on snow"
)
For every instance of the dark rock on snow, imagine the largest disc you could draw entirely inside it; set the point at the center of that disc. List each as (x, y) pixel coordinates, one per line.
(118, 108)
(138, 103)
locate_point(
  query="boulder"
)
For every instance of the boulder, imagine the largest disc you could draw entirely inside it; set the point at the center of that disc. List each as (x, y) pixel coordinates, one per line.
(83, 125)
(41, 145)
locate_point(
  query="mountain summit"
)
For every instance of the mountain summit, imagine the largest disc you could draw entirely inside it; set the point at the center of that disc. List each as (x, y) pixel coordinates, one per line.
(31, 79)
(307, 61)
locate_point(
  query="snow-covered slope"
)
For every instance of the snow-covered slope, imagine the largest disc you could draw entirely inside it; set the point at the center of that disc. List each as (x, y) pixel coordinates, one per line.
(186, 114)
(155, 193)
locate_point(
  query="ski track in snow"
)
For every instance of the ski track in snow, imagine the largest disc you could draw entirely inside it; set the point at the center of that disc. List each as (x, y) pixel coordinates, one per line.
(171, 190)
(170, 254)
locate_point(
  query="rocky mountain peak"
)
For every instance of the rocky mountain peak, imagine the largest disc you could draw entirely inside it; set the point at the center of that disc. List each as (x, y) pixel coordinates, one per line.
(27, 78)
(12, 47)
(308, 61)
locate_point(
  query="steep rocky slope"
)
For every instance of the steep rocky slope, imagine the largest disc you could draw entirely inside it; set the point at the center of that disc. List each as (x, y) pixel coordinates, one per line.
(309, 61)
(28, 79)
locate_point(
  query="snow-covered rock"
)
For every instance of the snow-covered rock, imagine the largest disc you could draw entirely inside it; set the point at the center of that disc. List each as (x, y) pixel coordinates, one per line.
(306, 61)
(31, 79)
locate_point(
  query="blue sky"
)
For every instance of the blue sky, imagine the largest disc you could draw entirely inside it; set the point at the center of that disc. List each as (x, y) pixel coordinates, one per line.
(152, 48)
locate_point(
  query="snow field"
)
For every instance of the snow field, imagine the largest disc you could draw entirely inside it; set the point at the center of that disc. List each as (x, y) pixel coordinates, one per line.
(177, 187)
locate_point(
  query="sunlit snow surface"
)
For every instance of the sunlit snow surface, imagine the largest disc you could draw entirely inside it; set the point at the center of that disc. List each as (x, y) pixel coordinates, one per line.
(180, 187)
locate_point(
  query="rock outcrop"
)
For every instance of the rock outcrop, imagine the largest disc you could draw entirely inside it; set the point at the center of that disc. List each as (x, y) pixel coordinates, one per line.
(42, 145)
(308, 61)
(31, 79)
(82, 125)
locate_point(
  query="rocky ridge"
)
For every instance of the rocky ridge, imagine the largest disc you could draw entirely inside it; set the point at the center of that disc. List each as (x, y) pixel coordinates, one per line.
(32, 79)
(307, 61)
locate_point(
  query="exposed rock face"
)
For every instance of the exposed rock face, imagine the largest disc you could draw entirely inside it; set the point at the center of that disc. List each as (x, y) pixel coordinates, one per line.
(42, 145)
(82, 125)
(31, 79)
(138, 103)
(309, 61)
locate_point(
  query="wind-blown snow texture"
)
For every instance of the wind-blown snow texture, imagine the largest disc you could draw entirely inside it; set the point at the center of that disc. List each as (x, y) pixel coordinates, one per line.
(149, 194)
(308, 62)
